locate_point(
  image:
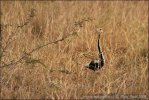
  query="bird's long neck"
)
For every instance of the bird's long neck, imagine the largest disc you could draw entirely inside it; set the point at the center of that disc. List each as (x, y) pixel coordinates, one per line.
(99, 49)
(100, 53)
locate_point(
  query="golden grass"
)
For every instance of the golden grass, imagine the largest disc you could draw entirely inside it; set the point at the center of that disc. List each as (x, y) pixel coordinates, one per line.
(61, 73)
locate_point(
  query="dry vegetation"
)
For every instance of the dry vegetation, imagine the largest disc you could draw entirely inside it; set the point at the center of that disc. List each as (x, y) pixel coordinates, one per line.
(57, 70)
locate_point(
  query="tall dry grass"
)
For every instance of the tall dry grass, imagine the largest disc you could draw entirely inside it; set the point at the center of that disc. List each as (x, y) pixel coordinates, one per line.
(61, 72)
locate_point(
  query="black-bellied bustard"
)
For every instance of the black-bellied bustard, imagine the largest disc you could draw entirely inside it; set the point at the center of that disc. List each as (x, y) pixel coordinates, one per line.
(97, 63)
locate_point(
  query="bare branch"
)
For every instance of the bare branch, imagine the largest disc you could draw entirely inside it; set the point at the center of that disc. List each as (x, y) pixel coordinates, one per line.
(14, 62)
(37, 48)
(9, 40)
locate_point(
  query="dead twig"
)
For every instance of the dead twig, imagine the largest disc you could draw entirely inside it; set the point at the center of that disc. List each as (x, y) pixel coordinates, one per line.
(10, 37)
(14, 62)
(37, 48)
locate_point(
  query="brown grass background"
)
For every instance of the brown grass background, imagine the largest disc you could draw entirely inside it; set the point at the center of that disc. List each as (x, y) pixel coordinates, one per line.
(61, 73)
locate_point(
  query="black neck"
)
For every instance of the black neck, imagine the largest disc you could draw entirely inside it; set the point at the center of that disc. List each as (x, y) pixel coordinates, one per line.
(99, 49)
(100, 53)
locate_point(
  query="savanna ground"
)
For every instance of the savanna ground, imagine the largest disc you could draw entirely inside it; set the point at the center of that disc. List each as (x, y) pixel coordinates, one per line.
(57, 70)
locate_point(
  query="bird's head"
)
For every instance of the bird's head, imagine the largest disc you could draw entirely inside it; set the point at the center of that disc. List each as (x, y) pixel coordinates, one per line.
(99, 31)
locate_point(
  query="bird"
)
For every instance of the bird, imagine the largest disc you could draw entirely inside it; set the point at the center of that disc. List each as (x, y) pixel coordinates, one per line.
(97, 64)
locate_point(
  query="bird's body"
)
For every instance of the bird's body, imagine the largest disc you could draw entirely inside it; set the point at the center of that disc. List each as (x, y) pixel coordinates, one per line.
(97, 63)
(94, 64)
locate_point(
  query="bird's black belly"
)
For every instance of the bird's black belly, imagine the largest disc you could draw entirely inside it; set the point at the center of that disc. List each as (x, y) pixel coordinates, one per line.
(93, 66)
